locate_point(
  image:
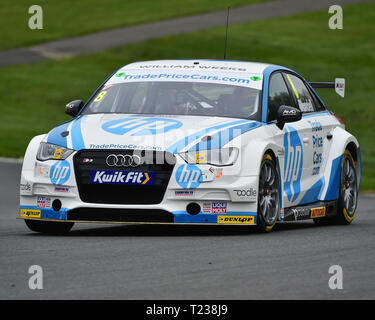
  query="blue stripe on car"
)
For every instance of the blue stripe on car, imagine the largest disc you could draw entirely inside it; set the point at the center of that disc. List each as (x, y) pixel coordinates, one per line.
(184, 217)
(314, 193)
(55, 136)
(76, 134)
(221, 138)
(181, 144)
(334, 180)
(49, 213)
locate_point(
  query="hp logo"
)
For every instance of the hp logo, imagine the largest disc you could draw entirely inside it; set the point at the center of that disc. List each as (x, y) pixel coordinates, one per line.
(120, 160)
(188, 176)
(293, 164)
(60, 172)
(141, 126)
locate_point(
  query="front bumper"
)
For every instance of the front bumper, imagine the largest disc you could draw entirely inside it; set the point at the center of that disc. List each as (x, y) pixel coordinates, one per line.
(224, 197)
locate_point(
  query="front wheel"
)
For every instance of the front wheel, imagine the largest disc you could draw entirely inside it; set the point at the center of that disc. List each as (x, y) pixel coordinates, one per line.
(268, 195)
(49, 227)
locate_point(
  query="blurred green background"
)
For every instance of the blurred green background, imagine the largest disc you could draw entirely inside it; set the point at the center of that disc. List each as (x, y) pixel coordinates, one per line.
(33, 96)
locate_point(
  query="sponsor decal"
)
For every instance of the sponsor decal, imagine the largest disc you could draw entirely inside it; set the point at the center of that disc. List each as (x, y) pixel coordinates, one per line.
(318, 212)
(184, 193)
(42, 169)
(246, 193)
(60, 172)
(62, 189)
(25, 188)
(123, 146)
(318, 142)
(188, 176)
(43, 202)
(192, 76)
(301, 213)
(200, 158)
(293, 163)
(236, 219)
(183, 66)
(30, 213)
(255, 78)
(216, 207)
(217, 172)
(340, 86)
(289, 112)
(141, 126)
(58, 153)
(122, 177)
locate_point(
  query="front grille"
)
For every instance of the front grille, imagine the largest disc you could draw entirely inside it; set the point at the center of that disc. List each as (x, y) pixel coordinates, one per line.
(87, 160)
(120, 215)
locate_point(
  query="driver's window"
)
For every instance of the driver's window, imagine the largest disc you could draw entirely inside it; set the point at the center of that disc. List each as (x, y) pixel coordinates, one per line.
(278, 95)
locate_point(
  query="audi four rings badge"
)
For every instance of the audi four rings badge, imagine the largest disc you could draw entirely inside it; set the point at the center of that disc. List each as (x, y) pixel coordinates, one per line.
(120, 160)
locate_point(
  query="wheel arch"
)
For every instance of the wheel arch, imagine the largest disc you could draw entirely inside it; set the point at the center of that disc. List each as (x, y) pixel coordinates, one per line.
(342, 140)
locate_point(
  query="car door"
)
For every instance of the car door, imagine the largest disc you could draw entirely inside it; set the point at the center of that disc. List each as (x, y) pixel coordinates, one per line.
(295, 137)
(315, 129)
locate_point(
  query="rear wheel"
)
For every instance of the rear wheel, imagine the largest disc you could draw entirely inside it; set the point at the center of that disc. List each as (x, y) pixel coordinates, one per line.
(49, 226)
(268, 194)
(348, 193)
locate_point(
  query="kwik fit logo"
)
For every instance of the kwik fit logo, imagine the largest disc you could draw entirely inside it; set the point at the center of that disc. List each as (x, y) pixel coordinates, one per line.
(121, 177)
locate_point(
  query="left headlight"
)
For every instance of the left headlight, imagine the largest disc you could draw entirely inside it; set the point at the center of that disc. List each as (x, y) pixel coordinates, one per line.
(216, 157)
(48, 151)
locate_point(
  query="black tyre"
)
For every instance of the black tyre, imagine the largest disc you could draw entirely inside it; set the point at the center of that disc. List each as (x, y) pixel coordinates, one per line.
(268, 195)
(49, 227)
(348, 193)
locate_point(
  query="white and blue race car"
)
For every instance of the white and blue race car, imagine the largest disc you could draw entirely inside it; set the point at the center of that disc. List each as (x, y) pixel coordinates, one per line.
(194, 142)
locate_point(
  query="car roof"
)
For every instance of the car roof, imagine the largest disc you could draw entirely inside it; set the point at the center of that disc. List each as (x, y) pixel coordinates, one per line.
(200, 64)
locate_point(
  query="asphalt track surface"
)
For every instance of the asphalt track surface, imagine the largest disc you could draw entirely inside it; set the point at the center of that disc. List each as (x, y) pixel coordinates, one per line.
(97, 261)
(108, 39)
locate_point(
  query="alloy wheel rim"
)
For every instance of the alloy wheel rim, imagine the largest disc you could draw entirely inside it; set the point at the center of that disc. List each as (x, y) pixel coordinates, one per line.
(268, 193)
(349, 191)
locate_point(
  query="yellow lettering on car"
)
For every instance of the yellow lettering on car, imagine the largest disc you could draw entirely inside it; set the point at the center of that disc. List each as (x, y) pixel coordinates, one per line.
(318, 212)
(57, 154)
(100, 96)
(236, 219)
(29, 213)
(200, 158)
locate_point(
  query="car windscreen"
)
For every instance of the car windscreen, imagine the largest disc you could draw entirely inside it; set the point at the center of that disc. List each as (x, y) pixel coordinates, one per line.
(176, 98)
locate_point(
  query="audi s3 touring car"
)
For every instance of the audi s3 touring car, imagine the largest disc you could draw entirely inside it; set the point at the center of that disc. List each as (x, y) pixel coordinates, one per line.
(197, 142)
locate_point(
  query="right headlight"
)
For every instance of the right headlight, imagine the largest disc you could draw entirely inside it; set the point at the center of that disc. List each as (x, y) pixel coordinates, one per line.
(216, 157)
(49, 151)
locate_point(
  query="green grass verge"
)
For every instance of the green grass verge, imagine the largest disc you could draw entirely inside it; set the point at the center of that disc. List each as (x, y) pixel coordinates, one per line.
(32, 97)
(67, 18)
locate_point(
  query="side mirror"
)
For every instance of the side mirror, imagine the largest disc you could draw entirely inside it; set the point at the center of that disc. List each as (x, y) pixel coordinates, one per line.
(73, 107)
(287, 114)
